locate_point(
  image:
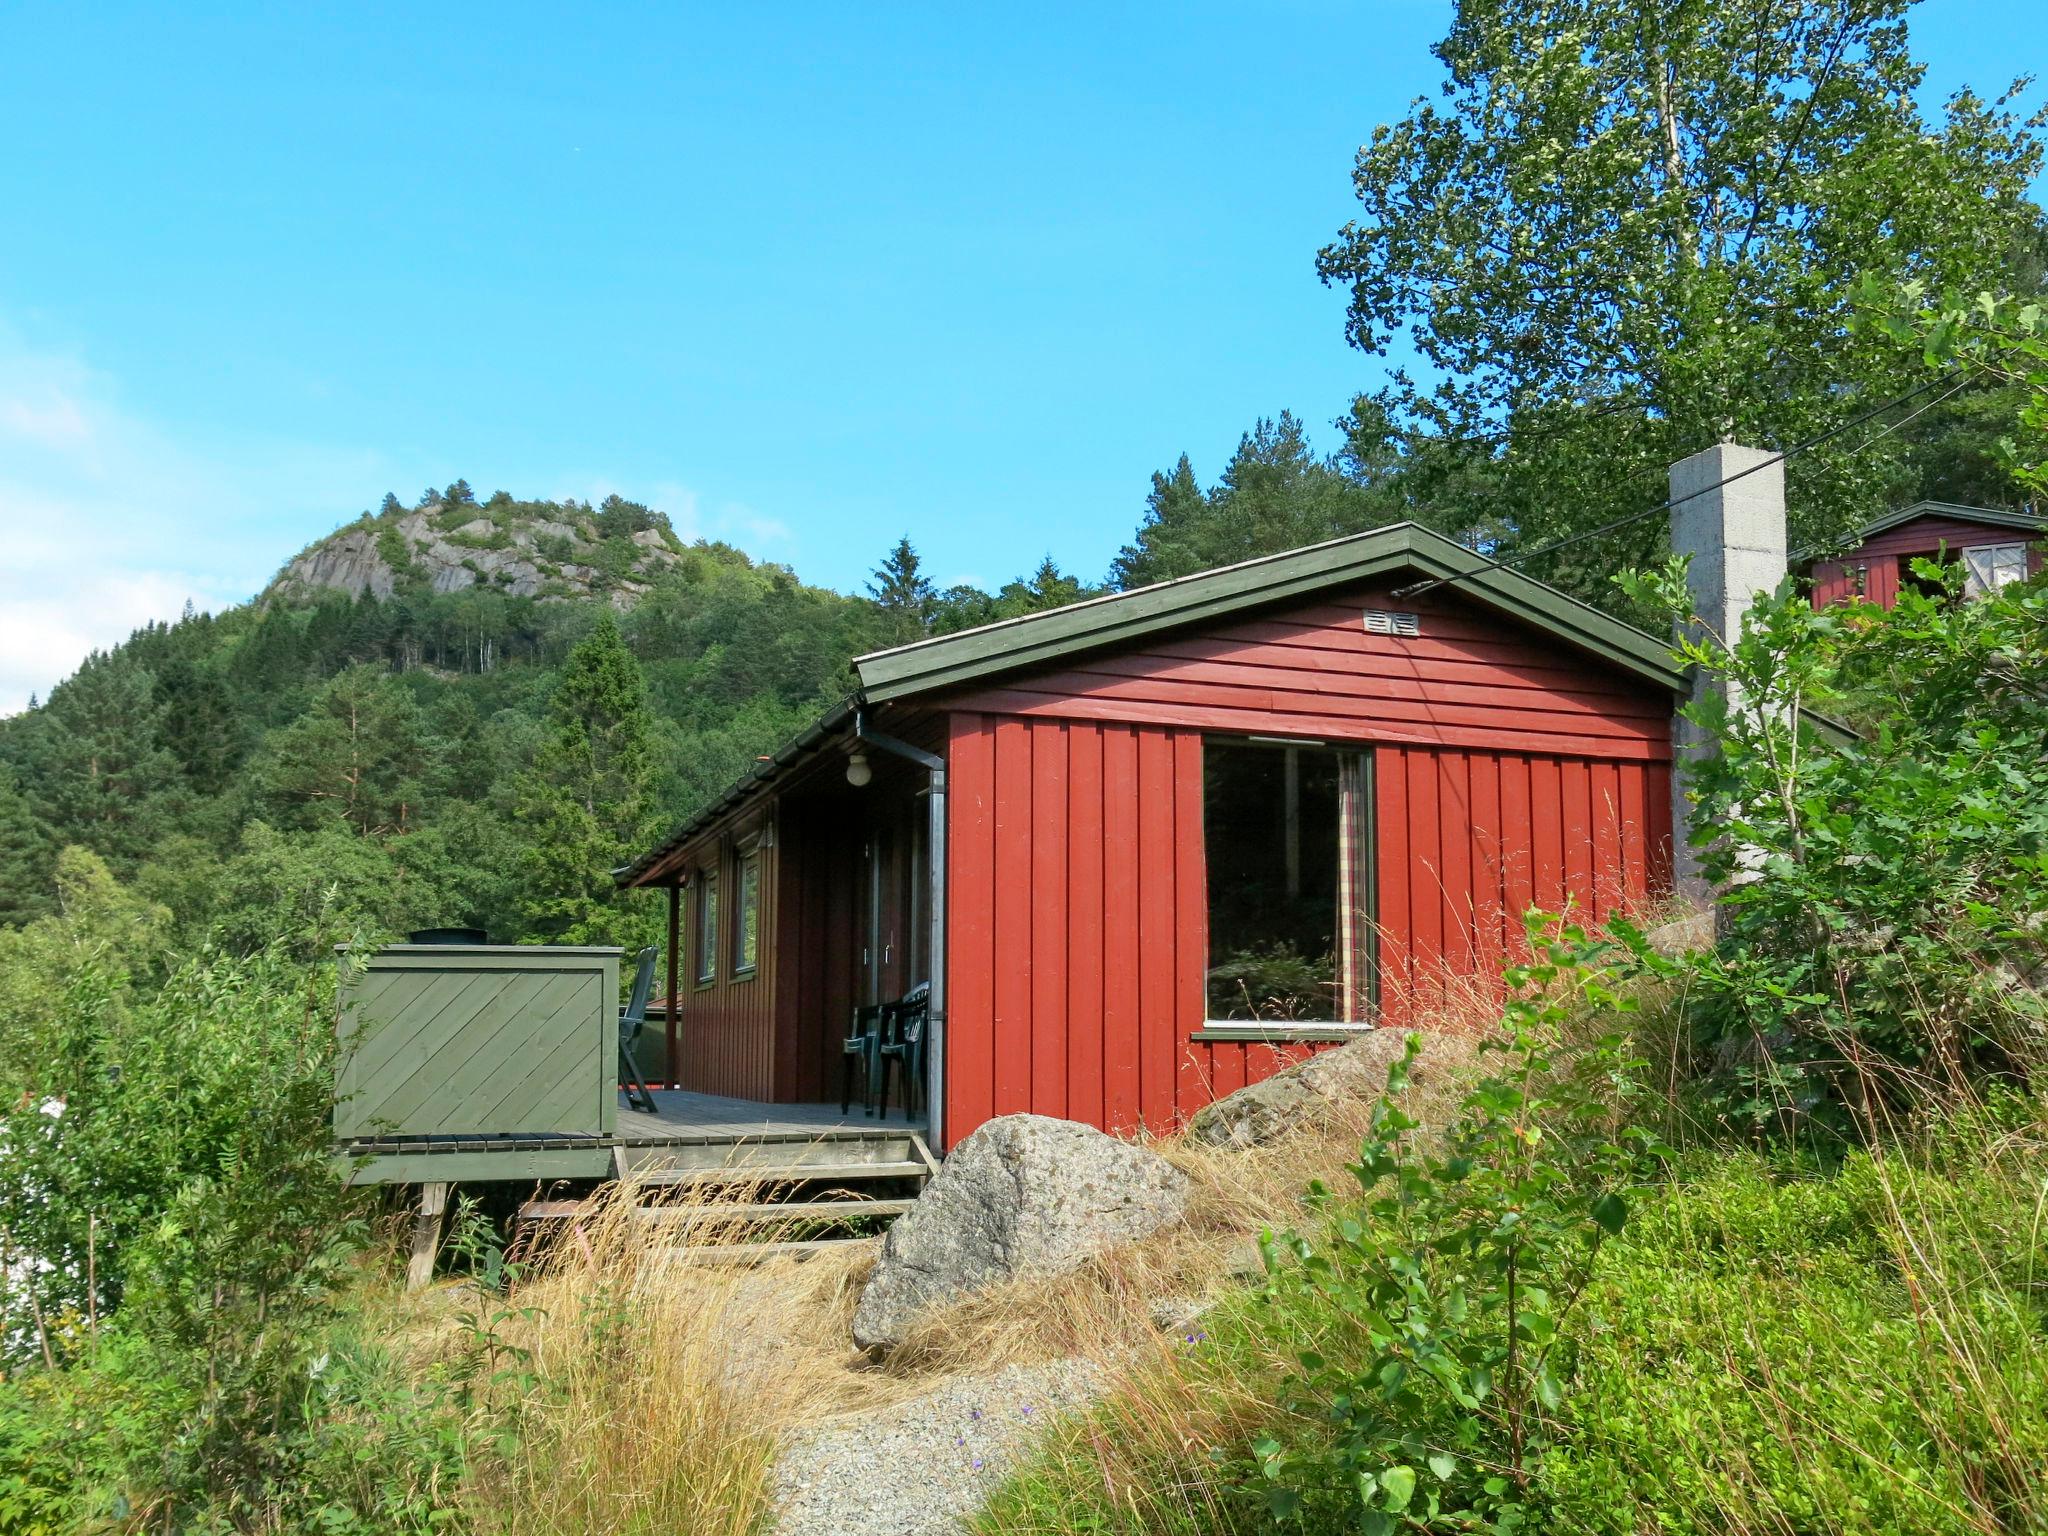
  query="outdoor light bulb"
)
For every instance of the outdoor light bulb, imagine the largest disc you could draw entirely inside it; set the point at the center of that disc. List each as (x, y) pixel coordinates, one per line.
(857, 770)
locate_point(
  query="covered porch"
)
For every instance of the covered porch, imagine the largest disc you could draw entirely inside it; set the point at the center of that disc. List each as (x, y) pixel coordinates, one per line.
(796, 905)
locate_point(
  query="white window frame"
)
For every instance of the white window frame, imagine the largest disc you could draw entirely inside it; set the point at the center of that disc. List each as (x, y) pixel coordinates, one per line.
(1988, 568)
(1358, 903)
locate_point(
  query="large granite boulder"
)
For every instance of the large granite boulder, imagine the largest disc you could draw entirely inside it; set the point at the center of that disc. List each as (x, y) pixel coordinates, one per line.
(1024, 1196)
(1313, 1089)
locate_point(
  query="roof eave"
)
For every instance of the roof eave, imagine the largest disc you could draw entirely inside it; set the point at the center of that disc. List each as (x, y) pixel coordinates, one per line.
(1042, 639)
(813, 738)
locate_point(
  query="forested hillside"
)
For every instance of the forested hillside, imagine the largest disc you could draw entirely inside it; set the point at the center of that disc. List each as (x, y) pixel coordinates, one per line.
(397, 718)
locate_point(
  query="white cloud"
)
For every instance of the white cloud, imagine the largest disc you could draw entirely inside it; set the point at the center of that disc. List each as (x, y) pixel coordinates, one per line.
(108, 520)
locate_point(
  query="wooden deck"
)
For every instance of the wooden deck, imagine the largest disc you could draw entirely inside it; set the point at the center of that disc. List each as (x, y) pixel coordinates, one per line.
(694, 1134)
(689, 1115)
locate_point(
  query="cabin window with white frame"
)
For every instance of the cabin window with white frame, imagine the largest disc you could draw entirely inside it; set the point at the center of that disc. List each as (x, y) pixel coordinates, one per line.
(1285, 833)
(1987, 567)
(746, 916)
(707, 926)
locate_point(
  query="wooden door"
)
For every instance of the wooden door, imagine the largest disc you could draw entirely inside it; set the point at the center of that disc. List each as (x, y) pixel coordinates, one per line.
(895, 880)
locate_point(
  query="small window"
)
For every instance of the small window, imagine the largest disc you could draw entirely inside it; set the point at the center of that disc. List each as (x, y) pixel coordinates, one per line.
(746, 928)
(1287, 916)
(707, 927)
(1988, 567)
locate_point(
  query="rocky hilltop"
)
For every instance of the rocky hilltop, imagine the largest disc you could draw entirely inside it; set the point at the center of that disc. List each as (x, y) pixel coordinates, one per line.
(452, 543)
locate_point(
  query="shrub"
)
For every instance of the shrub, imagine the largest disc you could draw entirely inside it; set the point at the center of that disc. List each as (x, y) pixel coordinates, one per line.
(1886, 894)
(177, 1237)
(1447, 1293)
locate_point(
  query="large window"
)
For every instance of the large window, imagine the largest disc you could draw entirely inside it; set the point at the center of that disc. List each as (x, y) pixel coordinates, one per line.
(746, 915)
(1988, 567)
(1289, 919)
(707, 926)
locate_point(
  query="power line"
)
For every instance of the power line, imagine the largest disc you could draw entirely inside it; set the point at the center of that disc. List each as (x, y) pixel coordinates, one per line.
(1416, 589)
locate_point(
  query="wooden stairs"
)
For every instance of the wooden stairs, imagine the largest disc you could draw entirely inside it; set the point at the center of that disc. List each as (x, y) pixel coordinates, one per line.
(743, 1198)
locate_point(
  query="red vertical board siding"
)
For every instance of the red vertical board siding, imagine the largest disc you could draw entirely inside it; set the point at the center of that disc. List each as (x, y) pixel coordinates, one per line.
(970, 922)
(1190, 927)
(1396, 921)
(1086, 934)
(1120, 937)
(1658, 815)
(1606, 835)
(1578, 834)
(1634, 832)
(1157, 1052)
(1546, 834)
(1518, 856)
(1425, 884)
(1050, 903)
(725, 1031)
(1013, 908)
(1489, 932)
(1596, 831)
(1454, 800)
(1073, 978)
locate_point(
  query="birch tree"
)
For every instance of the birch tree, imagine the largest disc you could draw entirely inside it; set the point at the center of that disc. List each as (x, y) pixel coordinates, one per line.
(1629, 228)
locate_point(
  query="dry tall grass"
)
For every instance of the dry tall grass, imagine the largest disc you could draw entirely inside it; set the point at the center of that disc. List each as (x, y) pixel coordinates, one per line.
(650, 1392)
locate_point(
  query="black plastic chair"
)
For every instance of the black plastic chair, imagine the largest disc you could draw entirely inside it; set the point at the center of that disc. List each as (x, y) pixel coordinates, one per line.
(903, 1047)
(863, 1048)
(633, 1019)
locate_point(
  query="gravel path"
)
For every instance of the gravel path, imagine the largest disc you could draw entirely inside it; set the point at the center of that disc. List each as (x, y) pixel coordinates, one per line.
(921, 1467)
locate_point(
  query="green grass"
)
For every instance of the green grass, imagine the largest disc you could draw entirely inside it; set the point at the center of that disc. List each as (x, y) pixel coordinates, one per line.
(1771, 1346)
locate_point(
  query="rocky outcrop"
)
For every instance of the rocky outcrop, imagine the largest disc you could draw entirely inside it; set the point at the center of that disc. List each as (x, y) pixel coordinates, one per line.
(497, 549)
(1683, 934)
(1297, 1096)
(1025, 1196)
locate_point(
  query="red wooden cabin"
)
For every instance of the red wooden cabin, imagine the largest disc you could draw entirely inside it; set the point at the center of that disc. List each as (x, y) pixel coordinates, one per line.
(1994, 548)
(1183, 833)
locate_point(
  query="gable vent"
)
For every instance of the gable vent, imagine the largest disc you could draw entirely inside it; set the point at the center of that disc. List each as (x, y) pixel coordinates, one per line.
(1379, 621)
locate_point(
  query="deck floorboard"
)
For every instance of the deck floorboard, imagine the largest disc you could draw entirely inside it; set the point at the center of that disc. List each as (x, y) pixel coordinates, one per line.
(683, 1113)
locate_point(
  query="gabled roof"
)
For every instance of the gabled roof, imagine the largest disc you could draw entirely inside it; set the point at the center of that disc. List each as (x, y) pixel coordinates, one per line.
(1990, 517)
(1403, 549)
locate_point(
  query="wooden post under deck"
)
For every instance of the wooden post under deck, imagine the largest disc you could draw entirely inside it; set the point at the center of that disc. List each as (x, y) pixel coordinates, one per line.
(675, 973)
(426, 1234)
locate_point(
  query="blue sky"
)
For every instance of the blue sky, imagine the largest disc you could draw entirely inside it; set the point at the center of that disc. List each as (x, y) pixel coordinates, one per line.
(804, 277)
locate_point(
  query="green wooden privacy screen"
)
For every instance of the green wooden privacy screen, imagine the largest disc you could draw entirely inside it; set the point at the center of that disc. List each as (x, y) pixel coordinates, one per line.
(460, 1040)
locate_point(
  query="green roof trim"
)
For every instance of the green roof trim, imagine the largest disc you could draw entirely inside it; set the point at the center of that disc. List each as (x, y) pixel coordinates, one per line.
(1121, 618)
(1991, 517)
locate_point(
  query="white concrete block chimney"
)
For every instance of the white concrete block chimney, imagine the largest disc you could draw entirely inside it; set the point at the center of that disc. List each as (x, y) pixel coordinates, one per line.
(1734, 530)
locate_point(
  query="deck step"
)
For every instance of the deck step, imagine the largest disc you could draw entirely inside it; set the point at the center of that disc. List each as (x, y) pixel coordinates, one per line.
(653, 1172)
(736, 1214)
(818, 1158)
(756, 1253)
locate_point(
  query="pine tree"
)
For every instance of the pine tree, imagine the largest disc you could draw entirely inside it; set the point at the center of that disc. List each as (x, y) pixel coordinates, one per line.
(27, 890)
(1046, 587)
(1275, 494)
(589, 801)
(200, 726)
(903, 593)
(357, 756)
(99, 771)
